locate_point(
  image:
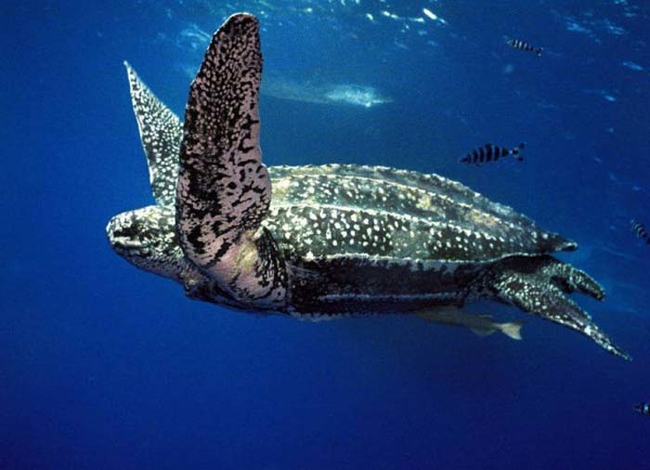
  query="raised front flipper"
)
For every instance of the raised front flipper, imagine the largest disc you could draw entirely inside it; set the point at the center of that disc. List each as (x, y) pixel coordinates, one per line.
(224, 190)
(537, 286)
(161, 133)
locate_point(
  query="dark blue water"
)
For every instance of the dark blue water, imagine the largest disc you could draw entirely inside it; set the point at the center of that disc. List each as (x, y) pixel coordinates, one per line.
(103, 366)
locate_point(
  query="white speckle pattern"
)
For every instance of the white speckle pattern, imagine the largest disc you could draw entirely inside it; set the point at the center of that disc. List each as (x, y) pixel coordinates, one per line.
(161, 133)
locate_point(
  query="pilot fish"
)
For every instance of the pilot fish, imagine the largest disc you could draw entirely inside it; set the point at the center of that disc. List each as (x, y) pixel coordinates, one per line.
(489, 152)
(482, 325)
(643, 408)
(639, 229)
(524, 46)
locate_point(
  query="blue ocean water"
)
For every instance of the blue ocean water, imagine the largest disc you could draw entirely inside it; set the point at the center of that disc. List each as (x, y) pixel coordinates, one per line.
(103, 366)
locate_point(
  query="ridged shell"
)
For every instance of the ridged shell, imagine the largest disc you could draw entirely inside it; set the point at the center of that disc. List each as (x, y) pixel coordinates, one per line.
(333, 210)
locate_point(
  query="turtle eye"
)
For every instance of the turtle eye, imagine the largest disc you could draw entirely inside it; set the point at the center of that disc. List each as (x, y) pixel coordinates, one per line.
(126, 231)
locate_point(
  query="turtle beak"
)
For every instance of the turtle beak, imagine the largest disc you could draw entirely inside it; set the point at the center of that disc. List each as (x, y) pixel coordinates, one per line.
(123, 245)
(124, 237)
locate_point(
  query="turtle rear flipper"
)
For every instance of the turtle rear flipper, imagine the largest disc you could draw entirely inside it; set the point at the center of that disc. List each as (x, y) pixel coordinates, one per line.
(540, 291)
(224, 191)
(570, 279)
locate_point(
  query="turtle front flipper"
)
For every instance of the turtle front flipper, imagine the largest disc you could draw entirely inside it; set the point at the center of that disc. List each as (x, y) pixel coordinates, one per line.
(161, 133)
(538, 285)
(224, 191)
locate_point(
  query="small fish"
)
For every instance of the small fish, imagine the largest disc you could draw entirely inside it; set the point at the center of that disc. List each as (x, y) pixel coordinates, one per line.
(643, 408)
(639, 229)
(489, 152)
(524, 46)
(481, 325)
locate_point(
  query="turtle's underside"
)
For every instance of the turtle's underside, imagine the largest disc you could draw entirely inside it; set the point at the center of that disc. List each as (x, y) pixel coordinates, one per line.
(329, 240)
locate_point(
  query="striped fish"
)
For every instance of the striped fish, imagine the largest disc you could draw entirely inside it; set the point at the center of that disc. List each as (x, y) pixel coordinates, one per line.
(643, 408)
(490, 153)
(524, 46)
(639, 229)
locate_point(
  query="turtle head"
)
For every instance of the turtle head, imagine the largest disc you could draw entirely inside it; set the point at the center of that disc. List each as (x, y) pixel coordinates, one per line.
(147, 239)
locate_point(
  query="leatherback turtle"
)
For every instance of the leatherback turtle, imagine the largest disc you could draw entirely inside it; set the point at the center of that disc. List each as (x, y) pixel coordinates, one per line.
(331, 240)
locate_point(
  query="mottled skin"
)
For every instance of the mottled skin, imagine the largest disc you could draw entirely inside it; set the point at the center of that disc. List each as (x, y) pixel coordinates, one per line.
(331, 240)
